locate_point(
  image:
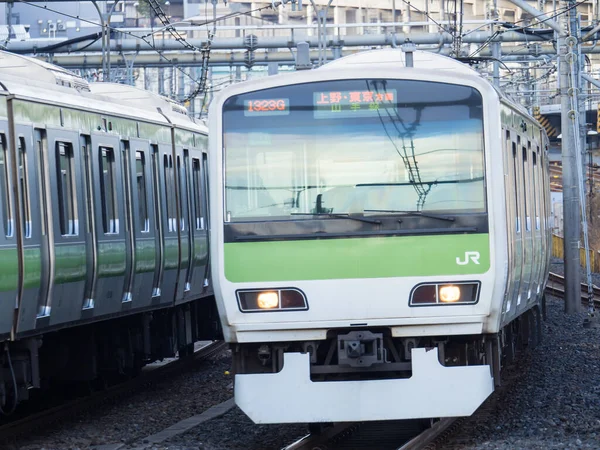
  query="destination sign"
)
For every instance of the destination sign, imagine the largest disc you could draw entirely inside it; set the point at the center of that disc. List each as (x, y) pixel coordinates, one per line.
(344, 104)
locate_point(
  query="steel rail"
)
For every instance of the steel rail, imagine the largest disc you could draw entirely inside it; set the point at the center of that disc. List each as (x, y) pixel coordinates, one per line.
(46, 417)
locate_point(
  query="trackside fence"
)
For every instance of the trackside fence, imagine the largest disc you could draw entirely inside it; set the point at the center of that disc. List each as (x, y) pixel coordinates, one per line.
(558, 252)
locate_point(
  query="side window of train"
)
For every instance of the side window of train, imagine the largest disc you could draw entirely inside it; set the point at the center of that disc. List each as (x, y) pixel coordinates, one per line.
(65, 182)
(108, 192)
(516, 186)
(140, 175)
(24, 185)
(197, 186)
(4, 191)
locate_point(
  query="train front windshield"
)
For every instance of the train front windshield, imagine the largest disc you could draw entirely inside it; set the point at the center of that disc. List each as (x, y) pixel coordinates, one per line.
(353, 147)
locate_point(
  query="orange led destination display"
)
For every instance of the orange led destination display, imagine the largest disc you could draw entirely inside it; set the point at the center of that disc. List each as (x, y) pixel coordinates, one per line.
(331, 104)
(267, 107)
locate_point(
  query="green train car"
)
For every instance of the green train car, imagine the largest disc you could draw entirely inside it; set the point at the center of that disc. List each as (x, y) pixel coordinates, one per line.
(104, 262)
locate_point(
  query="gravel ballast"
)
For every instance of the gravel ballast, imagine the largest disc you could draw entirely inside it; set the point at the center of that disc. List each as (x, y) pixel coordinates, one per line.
(552, 400)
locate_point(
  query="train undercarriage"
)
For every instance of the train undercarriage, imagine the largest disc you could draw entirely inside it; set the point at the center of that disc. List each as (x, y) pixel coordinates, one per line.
(102, 353)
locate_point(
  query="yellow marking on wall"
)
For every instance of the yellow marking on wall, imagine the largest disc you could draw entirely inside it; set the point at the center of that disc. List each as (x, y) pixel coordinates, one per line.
(545, 122)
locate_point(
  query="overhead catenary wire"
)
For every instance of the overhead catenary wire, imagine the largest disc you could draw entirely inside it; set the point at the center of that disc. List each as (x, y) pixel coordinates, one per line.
(145, 37)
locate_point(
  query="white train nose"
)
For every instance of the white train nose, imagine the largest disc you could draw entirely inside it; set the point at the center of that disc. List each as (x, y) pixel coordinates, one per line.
(432, 391)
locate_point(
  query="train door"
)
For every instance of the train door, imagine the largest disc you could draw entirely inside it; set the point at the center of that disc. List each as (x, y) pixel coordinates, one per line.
(158, 224)
(9, 267)
(33, 280)
(92, 257)
(198, 224)
(180, 172)
(206, 205)
(108, 192)
(63, 183)
(166, 279)
(535, 225)
(142, 227)
(510, 218)
(518, 225)
(528, 234)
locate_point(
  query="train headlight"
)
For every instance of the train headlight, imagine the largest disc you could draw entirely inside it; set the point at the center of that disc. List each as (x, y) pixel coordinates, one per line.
(431, 294)
(449, 293)
(263, 300)
(268, 300)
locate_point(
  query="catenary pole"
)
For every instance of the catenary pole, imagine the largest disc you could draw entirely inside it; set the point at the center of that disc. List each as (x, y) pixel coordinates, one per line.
(571, 207)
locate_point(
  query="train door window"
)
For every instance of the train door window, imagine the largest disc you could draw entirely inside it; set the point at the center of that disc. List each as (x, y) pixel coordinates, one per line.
(140, 175)
(516, 186)
(4, 190)
(24, 185)
(41, 170)
(526, 189)
(108, 193)
(65, 181)
(197, 183)
(537, 189)
(169, 194)
(543, 187)
(205, 202)
(181, 185)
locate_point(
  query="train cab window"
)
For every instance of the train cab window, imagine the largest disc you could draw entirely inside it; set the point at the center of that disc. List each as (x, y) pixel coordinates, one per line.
(65, 182)
(24, 185)
(516, 187)
(140, 171)
(110, 218)
(197, 186)
(4, 190)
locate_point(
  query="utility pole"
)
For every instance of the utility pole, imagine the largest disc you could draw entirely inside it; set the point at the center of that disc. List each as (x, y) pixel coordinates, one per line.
(571, 205)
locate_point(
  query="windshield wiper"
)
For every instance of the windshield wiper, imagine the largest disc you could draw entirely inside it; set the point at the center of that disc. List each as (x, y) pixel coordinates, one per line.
(413, 213)
(340, 216)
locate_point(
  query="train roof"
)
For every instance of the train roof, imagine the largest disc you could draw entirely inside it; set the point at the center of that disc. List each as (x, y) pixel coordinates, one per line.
(33, 71)
(394, 57)
(30, 77)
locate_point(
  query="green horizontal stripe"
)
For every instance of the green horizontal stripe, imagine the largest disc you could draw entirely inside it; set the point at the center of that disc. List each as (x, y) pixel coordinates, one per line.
(374, 257)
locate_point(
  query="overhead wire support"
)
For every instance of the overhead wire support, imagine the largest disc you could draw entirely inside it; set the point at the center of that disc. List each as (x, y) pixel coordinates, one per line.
(570, 147)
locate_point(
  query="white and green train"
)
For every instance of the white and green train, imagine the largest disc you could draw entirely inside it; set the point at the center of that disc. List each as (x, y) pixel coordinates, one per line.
(380, 237)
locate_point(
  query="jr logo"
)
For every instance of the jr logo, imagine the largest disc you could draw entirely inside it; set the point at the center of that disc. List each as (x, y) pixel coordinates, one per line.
(469, 256)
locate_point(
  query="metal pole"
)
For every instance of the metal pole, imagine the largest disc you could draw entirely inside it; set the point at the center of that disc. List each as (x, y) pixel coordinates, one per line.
(571, 207)
(496, 49)
(103, 40)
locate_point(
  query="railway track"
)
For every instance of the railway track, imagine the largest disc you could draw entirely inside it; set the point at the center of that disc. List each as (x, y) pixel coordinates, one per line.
(364, 435)
(556, 285)
(20, 427)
